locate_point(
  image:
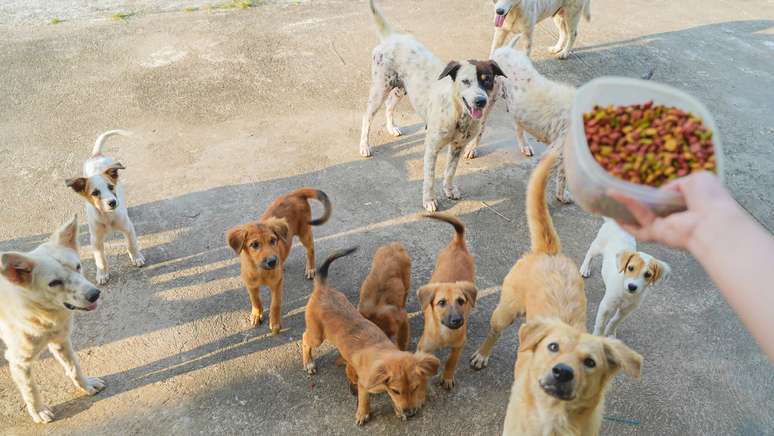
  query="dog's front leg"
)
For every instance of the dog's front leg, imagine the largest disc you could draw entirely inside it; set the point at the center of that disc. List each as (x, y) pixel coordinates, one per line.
(64, 354)
(524, 146)
(498, 39)
(256, 310)
(432, 143)
(363, 405)
(276, 306)
(449, 188)
(606, 309)
(135, 255)
(451, 366)
(21, 373)
(97, 233)
(615, 321)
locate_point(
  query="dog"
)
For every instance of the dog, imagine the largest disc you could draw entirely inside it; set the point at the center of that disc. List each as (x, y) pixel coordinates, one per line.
(451, 100)
(374, 363)
(515, 16)
(448, 300)
(385, 290)
(105, 205)
(263, 246)
(627, 274)
(40, 290)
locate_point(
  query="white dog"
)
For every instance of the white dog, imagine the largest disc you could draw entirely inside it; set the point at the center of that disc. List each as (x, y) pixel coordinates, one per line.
(105, 205)
(452, 108)
(515, 16)
(627, 274)
(39, 290)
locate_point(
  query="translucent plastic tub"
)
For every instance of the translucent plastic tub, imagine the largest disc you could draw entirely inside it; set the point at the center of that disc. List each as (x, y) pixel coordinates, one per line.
(588, 181)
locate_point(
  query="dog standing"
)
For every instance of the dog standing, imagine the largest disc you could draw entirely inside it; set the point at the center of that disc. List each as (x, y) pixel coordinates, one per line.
(105, 205)
(451, 108)
(374, 363)
(385, 290)
(448, 299)
(521, 16)
(627, 274)
(263, 246)
(39, 291)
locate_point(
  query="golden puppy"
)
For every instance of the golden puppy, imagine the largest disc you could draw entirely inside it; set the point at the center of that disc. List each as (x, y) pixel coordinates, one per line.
(263, 246)
(448, 299)
(374, 363)
(384, 292)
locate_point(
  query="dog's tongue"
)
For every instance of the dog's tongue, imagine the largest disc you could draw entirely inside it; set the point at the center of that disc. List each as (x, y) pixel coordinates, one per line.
(499, 19)
(476, 112)
(91, 306)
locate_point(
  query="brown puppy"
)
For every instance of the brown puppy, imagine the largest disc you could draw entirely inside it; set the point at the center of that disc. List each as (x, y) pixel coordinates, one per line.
(263, 246)
(374, 363)
(384, 292)
(448, 299)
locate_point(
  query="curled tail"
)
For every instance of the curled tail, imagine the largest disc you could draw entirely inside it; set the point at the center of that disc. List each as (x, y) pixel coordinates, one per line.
(320, 196)
(459, 227)
(541, 228)
(587, 10)
(382, 27)
(101, 139)
(322, 272)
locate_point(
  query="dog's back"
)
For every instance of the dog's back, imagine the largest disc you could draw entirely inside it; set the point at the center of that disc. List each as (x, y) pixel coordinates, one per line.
(454, 263)
(388, 281)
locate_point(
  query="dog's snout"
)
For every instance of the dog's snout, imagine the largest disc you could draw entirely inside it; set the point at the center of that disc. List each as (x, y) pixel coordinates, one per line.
(500, 11)
(92, 295)
(632, 287)
(480, 102)
(270, 262)
(454, 321)
(112, 203)
(562, 373)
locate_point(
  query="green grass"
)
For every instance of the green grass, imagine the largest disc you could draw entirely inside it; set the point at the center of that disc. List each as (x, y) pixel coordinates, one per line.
(190, 9)
(122, 16)
(234, 4)
(55, 21)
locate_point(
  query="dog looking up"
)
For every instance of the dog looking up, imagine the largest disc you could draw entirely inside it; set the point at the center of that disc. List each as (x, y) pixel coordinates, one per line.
(448, 299)
(105, 205)
(627, 274)
(374, 363)
(39, 292)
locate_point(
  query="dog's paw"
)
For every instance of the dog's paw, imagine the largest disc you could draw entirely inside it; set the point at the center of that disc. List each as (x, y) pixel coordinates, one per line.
(275, 329)
(309, 273)
(477, 361)
(430, 205)
(362, 419)
(42, 416)
(471, 153)
(256, 318)
(310, 368)
(554, 49)
(452, 193)
(138, 260)
(93, 385)
(448, 384)
(394, 131)
(585, 271)
(527, 151)
(564, 54)
(102, 276)
(365, 150)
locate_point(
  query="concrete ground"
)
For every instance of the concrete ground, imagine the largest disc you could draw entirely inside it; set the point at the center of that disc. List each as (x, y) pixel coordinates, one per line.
(231, 108)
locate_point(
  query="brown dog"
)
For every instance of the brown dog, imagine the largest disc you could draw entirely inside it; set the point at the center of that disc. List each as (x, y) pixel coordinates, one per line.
(374, 363)
(385, 290)
(448, 299)
(263, 246)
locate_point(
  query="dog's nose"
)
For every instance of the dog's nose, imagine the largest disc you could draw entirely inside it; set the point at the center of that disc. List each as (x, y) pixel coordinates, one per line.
(92, 295)
(500, 11)
(480, 102)
(112, 203)
(271, 262)
(562, 373)
(632, 287)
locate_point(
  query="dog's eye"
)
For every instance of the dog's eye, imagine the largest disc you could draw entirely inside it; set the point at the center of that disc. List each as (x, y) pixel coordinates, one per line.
(553, 347)
(54, 283)
(255, 245)
(589, 362)
(461, 301)
(648, 274)
(78, 267)
(111, 187)
(95, 192)
(466, 82)
(395, 391)
(442, 303)
(631, 268)
(273, 241)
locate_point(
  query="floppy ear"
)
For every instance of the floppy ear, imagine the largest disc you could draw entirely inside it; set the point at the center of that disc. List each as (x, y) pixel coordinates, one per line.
(77, 184)
(67, 234)
(623, 258)
(112, 171)
(532, 332)
(377, 377)
(470, 291)
(450, 70)
(280, 228)
(425, 295)
(16, 267)
(496, 70)
(235, 238)
(619, 356)
(427, 364)
(661, 271)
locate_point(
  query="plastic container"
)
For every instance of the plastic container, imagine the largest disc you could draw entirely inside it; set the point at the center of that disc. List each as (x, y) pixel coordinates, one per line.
(588, 181)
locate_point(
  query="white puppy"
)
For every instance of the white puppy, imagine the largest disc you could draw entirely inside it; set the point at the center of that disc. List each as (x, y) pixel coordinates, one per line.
(627, 274)
(39, 290)
(105, 205)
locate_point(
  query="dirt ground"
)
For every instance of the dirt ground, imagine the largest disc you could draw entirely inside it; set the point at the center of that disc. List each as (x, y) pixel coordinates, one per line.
(231, 108)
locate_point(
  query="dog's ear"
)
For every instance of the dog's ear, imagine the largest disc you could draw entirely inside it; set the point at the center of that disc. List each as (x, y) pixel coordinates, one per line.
(112, 171)
(470, 291)
(427, 364)
(67, 234)
(378, 376)
(235, 238)
(425, 295)
(450, 70)
(16, 268)
(659, 270)
(532, 332)
(619, 356)
(279, 227)
(77, 184)
(496, 69)
(623, 258)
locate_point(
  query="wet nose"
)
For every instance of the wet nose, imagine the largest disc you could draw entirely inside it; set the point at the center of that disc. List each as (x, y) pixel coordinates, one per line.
(92, 295)
(632, 287)
(271, 262)
(500, 11)
(480, 102)
(112, 203)
(562, 373)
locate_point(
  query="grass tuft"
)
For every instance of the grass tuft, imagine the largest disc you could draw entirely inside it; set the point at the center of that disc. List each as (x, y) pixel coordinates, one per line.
(235, 4)
(122, 16)
(55, 20)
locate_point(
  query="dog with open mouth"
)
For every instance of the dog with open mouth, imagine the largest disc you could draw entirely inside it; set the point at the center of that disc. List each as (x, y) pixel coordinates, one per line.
(451, 99)
(39, 291)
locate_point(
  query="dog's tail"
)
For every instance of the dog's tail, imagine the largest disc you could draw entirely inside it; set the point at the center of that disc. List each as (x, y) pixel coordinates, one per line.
(459, 227)
(541, 228)
(587, 10)
(322, 272)
(307, 193)
(382, 27)
(101, 140)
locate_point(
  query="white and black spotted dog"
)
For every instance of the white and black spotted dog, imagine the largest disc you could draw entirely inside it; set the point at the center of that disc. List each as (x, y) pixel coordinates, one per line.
(451, 99)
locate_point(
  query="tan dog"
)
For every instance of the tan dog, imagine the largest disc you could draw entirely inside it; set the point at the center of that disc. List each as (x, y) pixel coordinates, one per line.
(263, 246)
(385, 290)
(374, 363)
(448, 299)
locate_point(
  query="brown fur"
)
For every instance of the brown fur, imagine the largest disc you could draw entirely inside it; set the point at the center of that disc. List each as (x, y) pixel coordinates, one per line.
(385, 290)
(374, 363)
(451, 293)
(272, 237)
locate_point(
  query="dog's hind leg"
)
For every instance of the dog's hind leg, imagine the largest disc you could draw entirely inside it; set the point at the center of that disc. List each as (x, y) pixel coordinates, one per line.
(594, 250)
(307, 240)
(403, 335)
(571, 28)
(560, 178)
(389, 108)
(502, 317)
(376, 97)
(64, 354)
(311, 339)
(449, 188)
(21, 373)
(560, 26)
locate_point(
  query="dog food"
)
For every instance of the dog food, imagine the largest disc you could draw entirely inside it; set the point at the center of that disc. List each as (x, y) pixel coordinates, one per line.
(648, 144)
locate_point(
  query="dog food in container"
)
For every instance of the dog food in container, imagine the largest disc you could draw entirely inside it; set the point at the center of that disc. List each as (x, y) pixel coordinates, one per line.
(590, 183)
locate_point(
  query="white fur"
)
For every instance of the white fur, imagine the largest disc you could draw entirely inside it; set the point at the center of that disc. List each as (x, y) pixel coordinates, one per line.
(619, 301)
